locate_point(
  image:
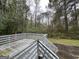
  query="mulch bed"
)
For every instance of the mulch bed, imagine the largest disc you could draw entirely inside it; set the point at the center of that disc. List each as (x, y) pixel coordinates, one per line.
(68, 52)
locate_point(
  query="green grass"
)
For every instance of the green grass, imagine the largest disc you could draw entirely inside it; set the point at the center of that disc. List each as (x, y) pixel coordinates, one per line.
(5, 52)
(69, 42)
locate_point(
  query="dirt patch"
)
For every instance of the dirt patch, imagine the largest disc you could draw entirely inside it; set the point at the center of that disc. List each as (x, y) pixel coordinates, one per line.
(68, 52)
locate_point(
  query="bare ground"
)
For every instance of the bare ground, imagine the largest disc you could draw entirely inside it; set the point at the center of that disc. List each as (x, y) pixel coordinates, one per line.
(68, 52)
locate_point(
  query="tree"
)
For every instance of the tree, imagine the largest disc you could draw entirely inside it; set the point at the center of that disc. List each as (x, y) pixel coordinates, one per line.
(36, 11)
(64, 8)
(13, 16)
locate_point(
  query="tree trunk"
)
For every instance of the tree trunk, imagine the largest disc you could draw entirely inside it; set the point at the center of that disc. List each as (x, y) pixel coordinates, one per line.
(65, 15)
(31, 20)
(75, 20)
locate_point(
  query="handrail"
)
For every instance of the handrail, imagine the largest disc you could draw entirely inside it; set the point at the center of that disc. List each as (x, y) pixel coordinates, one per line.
(47, 49)
(33, 47)
(14, 37)
(37, 43)
(27, 49)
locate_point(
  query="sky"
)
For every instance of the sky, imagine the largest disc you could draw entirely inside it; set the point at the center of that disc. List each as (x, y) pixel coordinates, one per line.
(78, 6)
(42, 4)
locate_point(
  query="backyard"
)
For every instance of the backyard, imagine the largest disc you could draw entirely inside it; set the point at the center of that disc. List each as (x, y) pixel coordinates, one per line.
(68, 48)
(70, 42)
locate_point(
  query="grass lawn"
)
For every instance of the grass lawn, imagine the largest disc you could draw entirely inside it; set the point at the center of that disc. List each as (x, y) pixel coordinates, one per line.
(69, 42)
(5, 52)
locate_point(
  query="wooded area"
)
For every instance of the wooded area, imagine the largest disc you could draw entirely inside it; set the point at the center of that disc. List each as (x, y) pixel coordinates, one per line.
(15, 17)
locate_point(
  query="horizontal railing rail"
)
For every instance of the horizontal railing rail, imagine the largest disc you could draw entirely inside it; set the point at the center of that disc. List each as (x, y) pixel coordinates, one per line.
(28, 52)
(37, 48)
(46, 52)
(14, 37)
(34, 50)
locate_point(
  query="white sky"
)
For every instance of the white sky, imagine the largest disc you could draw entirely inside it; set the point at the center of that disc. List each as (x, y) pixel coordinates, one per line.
(42, 4)
(78, 6)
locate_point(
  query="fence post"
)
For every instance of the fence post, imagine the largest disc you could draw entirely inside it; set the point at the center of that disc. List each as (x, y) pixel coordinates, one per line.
(37, 49)
(39, 55)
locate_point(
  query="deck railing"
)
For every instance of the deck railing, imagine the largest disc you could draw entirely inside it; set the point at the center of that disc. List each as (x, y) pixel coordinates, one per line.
(36, 50)
(45, 52)
(14, 37)
(29, 52)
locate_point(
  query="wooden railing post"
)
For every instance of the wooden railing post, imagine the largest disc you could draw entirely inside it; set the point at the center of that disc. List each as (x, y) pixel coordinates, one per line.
(39, 55)
(38, 48)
